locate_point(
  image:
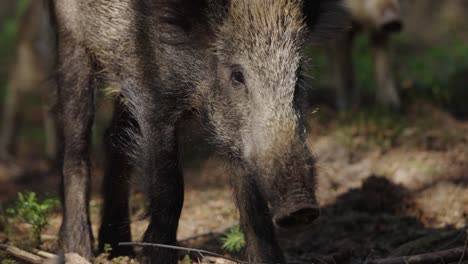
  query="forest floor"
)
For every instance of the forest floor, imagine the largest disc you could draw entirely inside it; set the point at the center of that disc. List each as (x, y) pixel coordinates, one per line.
(388, 185)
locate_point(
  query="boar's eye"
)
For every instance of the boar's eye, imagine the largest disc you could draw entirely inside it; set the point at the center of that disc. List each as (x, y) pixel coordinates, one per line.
(237, 76)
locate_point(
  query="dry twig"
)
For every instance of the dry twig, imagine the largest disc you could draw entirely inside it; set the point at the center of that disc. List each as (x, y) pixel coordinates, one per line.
(201, 252)
(21, 254)
(43, 254)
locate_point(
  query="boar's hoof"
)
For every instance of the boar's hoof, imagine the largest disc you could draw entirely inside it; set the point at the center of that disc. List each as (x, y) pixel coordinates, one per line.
(297, 218)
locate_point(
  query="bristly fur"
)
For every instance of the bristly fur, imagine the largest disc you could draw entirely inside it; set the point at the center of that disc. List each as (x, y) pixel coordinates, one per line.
(236, 63)
(255, 25)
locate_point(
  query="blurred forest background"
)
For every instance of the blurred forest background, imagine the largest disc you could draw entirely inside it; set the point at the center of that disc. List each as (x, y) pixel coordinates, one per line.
(431, 60)
(403, 175)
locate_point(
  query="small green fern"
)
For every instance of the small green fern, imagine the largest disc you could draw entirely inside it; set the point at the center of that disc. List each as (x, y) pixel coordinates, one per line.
(9, 261)
(186, 260)
(30, 210)
(233, 240)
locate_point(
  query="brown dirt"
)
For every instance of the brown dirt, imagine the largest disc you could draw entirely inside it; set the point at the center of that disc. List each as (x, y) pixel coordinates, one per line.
(379, 200)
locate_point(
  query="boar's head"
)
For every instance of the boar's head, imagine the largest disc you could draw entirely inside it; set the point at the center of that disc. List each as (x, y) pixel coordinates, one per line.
(377, 15)
(244, 58)
(255, 102)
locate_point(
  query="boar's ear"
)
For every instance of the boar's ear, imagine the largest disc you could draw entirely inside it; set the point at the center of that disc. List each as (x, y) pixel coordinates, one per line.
(178, 21)
(326, 18)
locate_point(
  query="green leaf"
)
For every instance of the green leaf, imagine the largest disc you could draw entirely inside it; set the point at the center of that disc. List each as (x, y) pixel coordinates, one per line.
(233, 240)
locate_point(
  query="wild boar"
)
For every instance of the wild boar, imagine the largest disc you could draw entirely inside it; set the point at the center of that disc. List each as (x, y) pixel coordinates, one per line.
(236, 65)
(380, 19)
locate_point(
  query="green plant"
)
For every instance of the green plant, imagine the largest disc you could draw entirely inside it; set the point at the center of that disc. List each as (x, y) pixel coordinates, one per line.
(9, 261)
(4, 259)
(107, 249)
(186, 260)
(233, 240)
(29, 209)
(436, 73)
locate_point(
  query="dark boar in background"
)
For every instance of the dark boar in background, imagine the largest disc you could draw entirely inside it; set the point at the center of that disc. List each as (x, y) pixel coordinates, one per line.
(380, 19)
(30, 73)
(234, 64)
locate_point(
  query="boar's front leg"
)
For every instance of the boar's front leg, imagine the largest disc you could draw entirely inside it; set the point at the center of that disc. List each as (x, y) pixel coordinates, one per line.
(386, 93)
(255, 220)
(340, 53)
(164, 185)
(115, 224)
(76, 102)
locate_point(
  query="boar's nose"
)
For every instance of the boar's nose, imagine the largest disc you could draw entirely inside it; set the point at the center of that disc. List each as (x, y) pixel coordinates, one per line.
(297, 217)
(391, 22)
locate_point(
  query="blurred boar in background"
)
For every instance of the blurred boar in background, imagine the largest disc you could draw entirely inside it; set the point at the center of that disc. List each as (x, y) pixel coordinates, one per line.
(380, 19)
(30, 73)
(236, 65)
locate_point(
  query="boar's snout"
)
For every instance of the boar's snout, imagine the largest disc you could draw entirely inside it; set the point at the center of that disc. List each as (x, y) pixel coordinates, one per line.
(391, 22)
(296, 217)
(289, 187)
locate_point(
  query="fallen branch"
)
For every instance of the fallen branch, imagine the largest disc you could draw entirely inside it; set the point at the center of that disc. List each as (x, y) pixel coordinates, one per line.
(200, 252)
(45, 237)
(43, 254)
(446, 256)
(21, 254)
